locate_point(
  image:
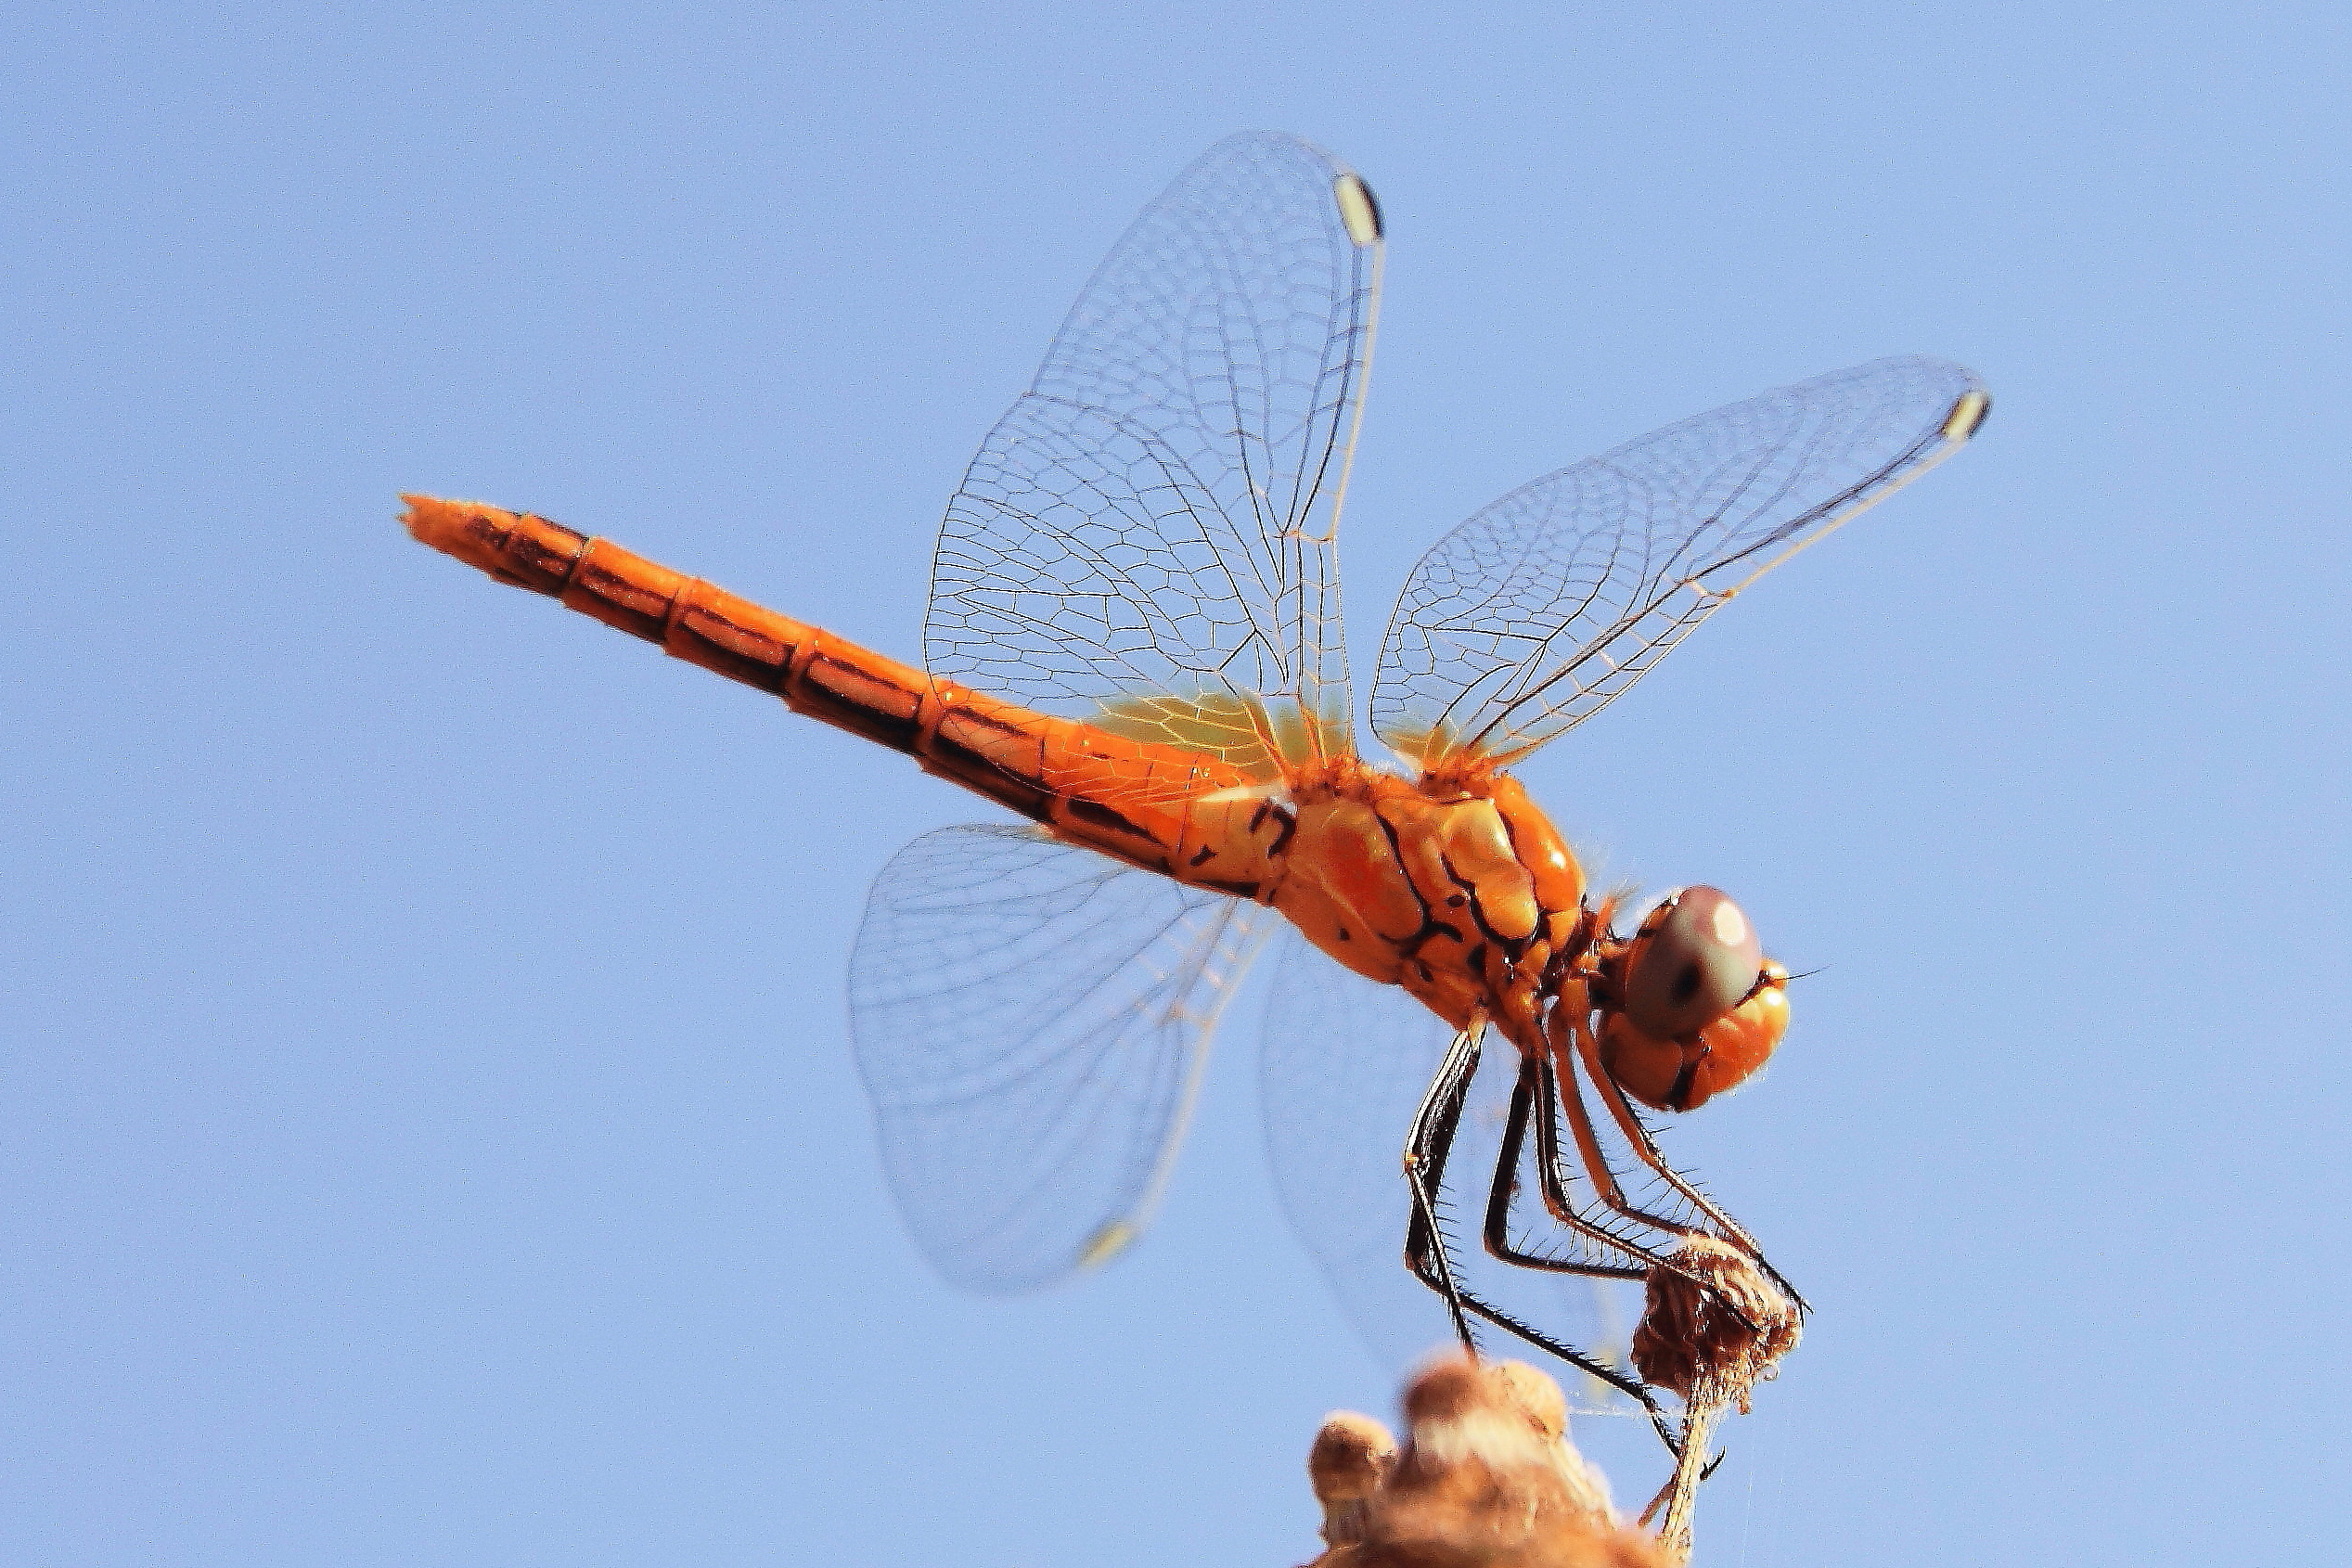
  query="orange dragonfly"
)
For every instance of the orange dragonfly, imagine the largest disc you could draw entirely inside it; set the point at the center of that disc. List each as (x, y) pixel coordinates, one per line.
(1133, 641)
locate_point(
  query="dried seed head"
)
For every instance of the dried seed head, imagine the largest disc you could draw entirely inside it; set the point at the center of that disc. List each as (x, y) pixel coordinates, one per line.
(1352, 1453)
(1485, 1478)
(1693, 1338)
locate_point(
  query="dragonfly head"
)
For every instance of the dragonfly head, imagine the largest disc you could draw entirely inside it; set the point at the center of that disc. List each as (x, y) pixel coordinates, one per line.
(1695, 1008)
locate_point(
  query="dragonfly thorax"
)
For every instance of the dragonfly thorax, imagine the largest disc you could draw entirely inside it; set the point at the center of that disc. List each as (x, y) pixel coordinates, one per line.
(1458, 890)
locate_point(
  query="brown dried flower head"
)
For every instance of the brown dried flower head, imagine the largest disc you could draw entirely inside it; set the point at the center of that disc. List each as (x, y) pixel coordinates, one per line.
(1485, 1479)
(1712, 1346)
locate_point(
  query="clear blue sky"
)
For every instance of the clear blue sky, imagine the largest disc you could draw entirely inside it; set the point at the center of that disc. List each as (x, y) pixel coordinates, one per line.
(427, 1127)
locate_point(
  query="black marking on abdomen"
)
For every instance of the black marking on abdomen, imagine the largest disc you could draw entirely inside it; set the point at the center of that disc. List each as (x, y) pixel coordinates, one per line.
(1101, 816)
(833, 690)
(981, 771)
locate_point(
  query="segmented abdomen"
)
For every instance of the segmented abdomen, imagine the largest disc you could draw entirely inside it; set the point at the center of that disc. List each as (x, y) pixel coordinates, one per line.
(1130, 799)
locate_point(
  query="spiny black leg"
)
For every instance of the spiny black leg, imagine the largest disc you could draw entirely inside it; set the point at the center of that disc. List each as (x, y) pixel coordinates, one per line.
(1524, 1101)
(1554, 1185)
(1523, 1097)
(1426, 1146)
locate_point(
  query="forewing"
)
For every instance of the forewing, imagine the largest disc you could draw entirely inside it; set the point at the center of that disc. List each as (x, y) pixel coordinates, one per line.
(1346, 1062)
(1534, 614)
(1032, 1019)
(1156, 518)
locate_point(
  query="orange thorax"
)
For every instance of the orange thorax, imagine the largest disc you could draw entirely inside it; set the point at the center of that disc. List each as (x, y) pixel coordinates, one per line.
(1456, 889)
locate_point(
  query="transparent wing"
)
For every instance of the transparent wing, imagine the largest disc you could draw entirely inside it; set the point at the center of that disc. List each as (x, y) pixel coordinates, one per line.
(1032, 1019)
(1534, 614)
(1345, 1063)
(1150, 532)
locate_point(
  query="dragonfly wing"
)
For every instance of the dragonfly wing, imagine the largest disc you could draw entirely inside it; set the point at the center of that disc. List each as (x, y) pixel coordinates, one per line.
(1158, 515)
(1032, 1019)
(1346, 1063)
(1534, 614)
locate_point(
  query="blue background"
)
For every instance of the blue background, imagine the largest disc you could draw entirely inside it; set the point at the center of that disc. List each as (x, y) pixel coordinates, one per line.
(427, 1130)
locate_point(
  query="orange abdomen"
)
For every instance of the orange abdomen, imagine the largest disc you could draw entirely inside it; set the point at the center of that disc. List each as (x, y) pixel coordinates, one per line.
(1130, 799)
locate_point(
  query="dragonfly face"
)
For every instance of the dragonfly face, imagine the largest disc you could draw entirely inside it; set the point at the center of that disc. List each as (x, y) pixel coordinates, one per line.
(1689, 1007)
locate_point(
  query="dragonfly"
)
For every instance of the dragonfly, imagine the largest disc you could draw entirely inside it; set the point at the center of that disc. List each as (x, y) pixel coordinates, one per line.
(1135, 643)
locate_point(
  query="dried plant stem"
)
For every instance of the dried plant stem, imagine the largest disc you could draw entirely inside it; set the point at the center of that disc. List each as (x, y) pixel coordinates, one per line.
(1713, 1328)
(1680, 1495)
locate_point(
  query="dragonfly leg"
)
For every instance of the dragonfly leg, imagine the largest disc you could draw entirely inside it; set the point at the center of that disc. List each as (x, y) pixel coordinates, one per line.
(1553, 1182)
(1645, 1148)
(1525, 1099)
(1427, 1145)
(1602, 1175)
(1536, 1094)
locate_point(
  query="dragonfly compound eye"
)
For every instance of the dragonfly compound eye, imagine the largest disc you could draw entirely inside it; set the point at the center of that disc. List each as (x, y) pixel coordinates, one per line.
(1693, 960)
